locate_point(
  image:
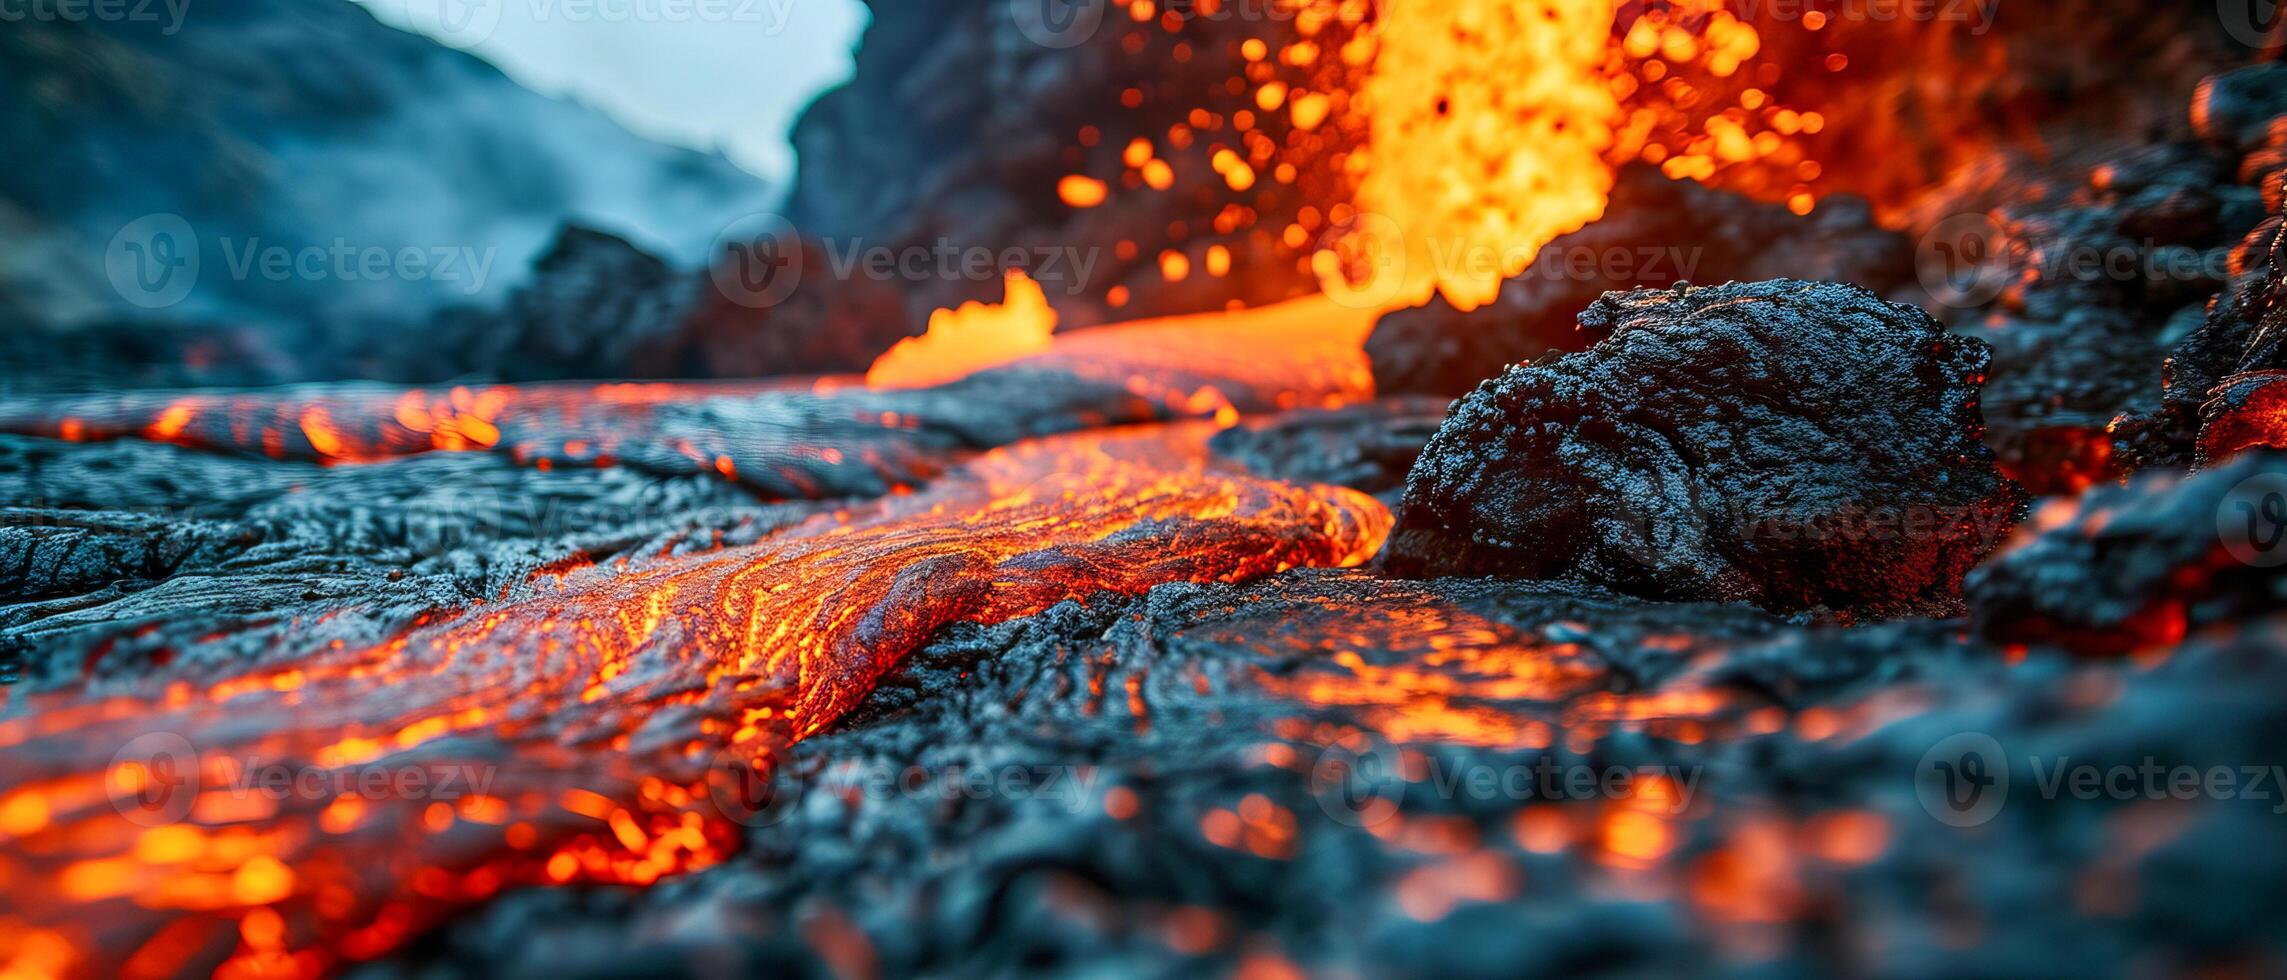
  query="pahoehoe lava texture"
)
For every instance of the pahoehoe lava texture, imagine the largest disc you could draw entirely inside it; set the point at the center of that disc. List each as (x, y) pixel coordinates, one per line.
(1792, 444)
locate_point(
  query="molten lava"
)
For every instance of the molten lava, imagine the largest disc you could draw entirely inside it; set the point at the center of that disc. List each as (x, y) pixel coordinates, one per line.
(603, 700)
(605, 706)
(975, 336)
(1489, 120)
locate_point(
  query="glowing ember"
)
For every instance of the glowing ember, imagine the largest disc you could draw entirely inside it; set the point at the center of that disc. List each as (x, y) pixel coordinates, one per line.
(2247, 412)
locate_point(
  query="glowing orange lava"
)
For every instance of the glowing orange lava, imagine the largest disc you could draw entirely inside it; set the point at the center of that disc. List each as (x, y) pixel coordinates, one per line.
(596, 708)
(1488, 121)
(962, 341)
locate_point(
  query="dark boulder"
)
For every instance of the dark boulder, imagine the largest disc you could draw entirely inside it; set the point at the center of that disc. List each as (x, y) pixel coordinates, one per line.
(1655, 232)
(1792, 444)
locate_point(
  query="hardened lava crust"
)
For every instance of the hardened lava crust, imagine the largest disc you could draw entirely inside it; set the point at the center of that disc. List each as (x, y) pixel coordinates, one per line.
(1791, 444)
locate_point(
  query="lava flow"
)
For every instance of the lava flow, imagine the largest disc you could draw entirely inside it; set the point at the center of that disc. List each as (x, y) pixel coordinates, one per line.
(591, 709)
(596, 702)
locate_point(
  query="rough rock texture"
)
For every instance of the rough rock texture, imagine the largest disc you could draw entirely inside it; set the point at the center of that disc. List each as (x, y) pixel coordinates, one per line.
(2239, 116)
(2096, 285)
(1655, 232)
(1182, 812)
(599, 307)
(1284, 773)
(2248, 406)
(2138, 566)
(1795, 445)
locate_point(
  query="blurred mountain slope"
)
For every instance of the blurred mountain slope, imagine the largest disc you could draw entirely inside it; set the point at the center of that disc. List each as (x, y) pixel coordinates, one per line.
(283, 126)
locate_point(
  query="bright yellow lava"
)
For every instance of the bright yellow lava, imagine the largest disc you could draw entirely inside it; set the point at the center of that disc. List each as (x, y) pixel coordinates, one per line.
(1489, 120)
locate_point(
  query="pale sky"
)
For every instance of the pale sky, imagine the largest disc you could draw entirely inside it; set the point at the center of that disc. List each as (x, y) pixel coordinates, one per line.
(708, 74)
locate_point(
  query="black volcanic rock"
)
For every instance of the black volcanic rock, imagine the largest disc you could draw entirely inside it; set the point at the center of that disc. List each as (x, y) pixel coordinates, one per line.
(2237, 107)
(600, 307)
(2242, 333)
(827, 324)
(594, 300)
(2141, 565)
(1369, 446)
(1096, 870)
(2156, 266)
(1655, 232)
(1796, 445)
(962, 116)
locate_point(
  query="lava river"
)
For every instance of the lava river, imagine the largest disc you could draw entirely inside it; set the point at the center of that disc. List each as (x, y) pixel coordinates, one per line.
(605, 722)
